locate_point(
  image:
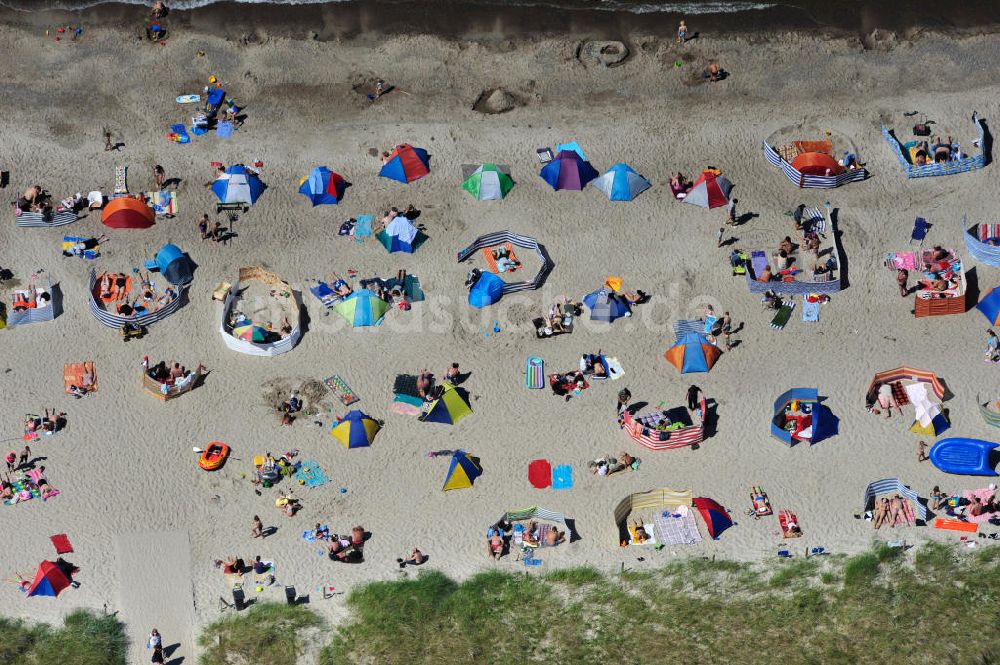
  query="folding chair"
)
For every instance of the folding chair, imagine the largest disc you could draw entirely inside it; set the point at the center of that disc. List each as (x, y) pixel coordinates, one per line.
(920, 227)
(544, 155)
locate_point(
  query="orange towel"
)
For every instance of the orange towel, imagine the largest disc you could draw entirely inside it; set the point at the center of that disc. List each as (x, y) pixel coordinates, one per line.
(491, 261)
(955, 525)
(73, 374)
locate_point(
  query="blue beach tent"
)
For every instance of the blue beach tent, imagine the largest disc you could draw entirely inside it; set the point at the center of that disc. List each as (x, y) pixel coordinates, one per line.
(487, 290)
(621, 183)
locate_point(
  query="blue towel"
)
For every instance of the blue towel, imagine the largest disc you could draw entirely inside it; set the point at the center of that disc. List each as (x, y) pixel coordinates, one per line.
(562, 477)
(310, 474)
(810, 310)
(364, 226)
(224, 129)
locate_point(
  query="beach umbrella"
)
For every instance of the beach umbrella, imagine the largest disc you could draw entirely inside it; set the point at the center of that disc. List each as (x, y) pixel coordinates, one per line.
(605, 306)
(362, 308)
(400, 235)
(322, 186)
(487, 290)
(406, 164)
(488, 182)
(356, 430)
(716, 518)
(127, 213)
(50, 580)
(238, 185)
(568, 171)
(250, 332)
(990, 306)
(621, 183)
(448, 409)
(692, 353)
(462, 472)
(710, 190)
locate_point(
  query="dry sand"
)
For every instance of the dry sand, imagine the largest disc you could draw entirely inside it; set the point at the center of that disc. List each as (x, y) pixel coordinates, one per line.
(125, 465)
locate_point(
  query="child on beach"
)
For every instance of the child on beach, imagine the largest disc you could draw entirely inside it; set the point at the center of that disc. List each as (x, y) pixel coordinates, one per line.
(203, 226)
(682, 32)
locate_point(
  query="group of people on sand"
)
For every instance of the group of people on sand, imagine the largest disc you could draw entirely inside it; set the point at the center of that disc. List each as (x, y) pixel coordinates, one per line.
(50, 423)
(117, 287)
(34, 199)
(288, 409)
(783, 261)
(171, 374)
(534, 535)
(940, 152)
(608, 465)
(939, 275)
(963, 508)
(889, 511)
(29, 481)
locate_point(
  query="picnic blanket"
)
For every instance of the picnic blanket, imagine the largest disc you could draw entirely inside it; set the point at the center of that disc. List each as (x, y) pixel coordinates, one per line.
(683, 326)
(61, 542)
(491, 260)
(341, 390)
(783, 315)
(562, 477)
(310, 474)
(810, 310)
(677, 528)
(73, 375)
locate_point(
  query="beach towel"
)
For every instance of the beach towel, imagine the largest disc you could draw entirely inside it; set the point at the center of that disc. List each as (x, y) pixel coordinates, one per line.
(402, 407)
(677, 528)
(709, 324)
(22, 492)
(406, 384)
(540, 473)
(326, 295)
(650, 535)
(783, 315)
(73, 375)
(562, 477)
(955, 525)
(615, 370)
(341, 390)
(906, 518)
(684, 326)
(412, 290)
(224, 129)
(491, 261)
(787, 518)
(899, 393)
(758, 261)
(814, 220)
(121, 186)
(163, 203)
(310, 474)
(534, 375)
(363, 229)
(988, 232)
(919, 229)
(983, 495)
(92, 251)
(810, 310)
(310, 535)
(178, 133)
(61, 543)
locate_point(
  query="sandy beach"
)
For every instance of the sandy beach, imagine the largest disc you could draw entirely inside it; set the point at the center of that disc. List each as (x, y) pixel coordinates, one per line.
(146, 523)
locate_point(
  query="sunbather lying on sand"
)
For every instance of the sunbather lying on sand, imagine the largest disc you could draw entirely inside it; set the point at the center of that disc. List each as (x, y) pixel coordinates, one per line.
(494, 545)
(881, 512)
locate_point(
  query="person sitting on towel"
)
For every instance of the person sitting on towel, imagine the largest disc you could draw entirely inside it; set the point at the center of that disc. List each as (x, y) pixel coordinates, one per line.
(765, 275)
(554, 537)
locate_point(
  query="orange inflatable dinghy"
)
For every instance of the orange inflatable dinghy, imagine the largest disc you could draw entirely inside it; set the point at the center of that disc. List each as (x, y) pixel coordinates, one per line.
(214, 456)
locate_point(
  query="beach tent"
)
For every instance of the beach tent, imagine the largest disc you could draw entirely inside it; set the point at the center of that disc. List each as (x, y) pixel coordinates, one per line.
(692, 353)
(605, 306)
(487, 290)
(716, 518)
(238, 185)
(173, 264)
(449, 408)
(406, 164)
(568, 171)
(362, 308)
(356, 430)
(928, 419)
(811, 421)
(621, 183)
(322, 186)
(127, 213)
(462, 473)
(50, 580)
(400, 235)
(488, 182)
(710, 190)
(990, 306)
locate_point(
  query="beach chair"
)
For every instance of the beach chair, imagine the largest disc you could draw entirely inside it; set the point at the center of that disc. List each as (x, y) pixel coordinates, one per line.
(920, 227)
(239, 599)
(291, 595)
(544, 155)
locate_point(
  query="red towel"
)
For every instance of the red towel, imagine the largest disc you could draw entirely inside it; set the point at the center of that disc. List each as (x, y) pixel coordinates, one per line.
(61, 543)
(540, 473)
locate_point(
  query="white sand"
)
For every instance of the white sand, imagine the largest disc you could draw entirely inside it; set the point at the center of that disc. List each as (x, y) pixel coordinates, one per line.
(125, 464)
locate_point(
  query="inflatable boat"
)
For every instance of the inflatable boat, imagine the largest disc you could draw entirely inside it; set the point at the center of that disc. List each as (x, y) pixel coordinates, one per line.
(969, 457)
(214, 456)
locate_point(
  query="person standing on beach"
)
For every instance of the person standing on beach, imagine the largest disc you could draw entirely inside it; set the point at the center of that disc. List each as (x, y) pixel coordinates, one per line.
(11, 460)
(901, 276)
(203, 226)
(159, 176)
(107, 140)
(682, 31)
(154, 639)
(624, 395)
(25, 456)
(157, 654)
(731, 210)
(922, 451)
(718, 237)
(257, 530)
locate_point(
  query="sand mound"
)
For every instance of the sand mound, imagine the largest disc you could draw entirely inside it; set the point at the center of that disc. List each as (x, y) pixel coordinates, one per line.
(605, 54)
(495, 100)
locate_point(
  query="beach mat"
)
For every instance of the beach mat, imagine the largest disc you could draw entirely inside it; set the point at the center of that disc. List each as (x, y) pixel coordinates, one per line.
(535, 373)
(363, 229)
(73, 375)
(562, 477)
(810, 310)
(406, 384)
(404, 408)
(615, 370)
(61, 542)
(310, 474)
(955, 525)
(341, 390)
(540, 473)
(783, 315)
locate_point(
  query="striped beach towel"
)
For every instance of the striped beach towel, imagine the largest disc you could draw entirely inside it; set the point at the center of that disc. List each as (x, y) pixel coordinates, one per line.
(42, 220)
(814, 220)
(685, 326)
(988, 231)
(121, 186)
(784, 314)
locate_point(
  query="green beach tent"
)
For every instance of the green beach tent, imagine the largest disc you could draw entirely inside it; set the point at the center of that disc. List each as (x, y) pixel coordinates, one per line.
(488, 182)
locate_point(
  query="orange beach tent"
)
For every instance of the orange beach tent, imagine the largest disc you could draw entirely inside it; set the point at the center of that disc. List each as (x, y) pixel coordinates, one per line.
(127, 213)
